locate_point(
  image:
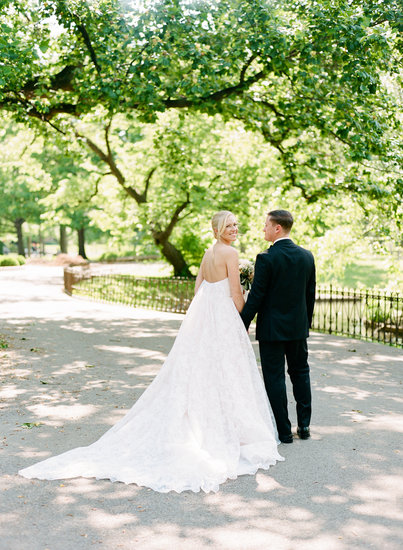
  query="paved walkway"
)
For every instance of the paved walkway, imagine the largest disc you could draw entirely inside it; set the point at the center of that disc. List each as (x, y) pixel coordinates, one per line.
(74, 367)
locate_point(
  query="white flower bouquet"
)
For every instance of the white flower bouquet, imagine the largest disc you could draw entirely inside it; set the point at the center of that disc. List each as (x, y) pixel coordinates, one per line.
(246, 272)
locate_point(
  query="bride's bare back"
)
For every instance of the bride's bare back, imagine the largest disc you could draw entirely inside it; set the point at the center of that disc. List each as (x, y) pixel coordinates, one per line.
(219, 262)
(214, 263)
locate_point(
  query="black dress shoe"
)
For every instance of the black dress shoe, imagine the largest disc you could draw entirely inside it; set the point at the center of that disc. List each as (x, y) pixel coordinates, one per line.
(287, 439)
(303, 433)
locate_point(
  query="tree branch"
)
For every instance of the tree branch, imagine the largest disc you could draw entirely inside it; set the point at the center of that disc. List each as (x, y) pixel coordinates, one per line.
(135, 59)
(32, 111)
(97, 150)
(28, 145)
(59, 81)
(108, 145)
(95, 190)
(108, 159)
(336, 136)
(147, 183)
(54, 126)
(284, 155)
(271, 106)
(161, 236)
(87, 41)
(63, 80)
(215, 96)
(379, 21)
(245, 67)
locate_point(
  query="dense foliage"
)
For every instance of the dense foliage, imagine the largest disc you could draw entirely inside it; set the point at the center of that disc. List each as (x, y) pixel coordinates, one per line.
(164, 111)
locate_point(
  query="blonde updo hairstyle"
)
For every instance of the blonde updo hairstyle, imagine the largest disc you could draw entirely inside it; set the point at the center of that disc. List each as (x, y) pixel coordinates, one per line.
(219, 221)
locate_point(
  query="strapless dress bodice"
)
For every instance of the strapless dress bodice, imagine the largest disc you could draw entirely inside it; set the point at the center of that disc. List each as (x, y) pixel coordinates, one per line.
(221, 287)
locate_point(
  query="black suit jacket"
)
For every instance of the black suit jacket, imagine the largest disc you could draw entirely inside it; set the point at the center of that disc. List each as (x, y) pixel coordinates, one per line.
(282, 293)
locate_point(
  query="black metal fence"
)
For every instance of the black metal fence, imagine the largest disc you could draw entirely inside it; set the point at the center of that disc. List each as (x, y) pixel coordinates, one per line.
(163, 294)
(364, 314)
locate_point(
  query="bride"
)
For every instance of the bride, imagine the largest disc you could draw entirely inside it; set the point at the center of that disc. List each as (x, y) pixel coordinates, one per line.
(205, 418)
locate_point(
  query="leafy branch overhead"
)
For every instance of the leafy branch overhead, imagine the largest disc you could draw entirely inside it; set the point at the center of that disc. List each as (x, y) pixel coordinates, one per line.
(318, 81)
(308, 64)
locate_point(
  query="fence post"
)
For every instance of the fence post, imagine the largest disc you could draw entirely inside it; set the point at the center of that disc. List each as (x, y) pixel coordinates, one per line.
(70, 278)
(68, 281)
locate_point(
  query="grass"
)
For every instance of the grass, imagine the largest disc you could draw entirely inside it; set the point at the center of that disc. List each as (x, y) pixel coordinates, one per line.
(372, 272)
(3, 342)
(366, 274)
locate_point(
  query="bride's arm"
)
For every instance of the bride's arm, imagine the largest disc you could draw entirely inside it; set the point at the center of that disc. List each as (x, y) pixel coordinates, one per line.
(234, 281)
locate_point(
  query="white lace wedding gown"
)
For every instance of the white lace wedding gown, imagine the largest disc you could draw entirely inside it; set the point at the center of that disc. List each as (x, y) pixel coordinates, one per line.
(205, 417)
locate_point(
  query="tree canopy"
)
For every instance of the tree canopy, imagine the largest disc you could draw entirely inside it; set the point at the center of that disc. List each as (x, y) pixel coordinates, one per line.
(317, 81)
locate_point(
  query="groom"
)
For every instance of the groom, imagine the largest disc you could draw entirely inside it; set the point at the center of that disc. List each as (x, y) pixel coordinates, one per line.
(283, 296)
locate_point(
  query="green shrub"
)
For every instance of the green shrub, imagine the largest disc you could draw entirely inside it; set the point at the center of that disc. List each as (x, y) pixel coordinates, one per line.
(108, 256)
(21, 259)
(8, 260)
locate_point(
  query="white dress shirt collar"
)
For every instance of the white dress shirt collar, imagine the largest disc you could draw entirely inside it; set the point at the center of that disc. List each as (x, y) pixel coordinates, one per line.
(282, 239)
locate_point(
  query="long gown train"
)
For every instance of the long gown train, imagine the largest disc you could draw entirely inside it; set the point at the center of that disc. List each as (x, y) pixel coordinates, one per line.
(204, 418)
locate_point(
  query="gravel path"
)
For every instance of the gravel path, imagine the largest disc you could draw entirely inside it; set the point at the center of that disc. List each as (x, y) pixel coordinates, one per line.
(74, 367)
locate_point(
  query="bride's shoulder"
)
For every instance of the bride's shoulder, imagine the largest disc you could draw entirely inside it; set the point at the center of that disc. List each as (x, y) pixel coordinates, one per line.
(229, 251)
(208, 252)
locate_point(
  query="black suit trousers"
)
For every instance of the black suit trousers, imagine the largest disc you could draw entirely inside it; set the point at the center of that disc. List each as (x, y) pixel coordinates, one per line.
(272, 356)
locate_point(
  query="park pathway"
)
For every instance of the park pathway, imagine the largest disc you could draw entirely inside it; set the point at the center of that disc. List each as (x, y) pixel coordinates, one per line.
(73, 367)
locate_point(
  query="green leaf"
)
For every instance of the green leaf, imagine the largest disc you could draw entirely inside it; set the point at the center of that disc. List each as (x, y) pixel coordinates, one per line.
(30, 425)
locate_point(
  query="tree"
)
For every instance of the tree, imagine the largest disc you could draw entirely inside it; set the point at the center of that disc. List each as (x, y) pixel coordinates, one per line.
(69, 191)
(182, 164)
(19, 191)
(312, 78)
(309, 65)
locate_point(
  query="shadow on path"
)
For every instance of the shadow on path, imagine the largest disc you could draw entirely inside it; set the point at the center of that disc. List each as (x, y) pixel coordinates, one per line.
(75, 367)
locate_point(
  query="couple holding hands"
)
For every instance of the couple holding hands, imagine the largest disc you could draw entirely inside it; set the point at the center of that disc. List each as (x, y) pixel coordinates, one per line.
(208, 416)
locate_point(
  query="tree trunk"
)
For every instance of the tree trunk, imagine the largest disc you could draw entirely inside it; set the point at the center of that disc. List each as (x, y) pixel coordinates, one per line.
(173, 256)
(81, 242)
(41, 243)
(29, 246)
(63, 239)
(20, 239)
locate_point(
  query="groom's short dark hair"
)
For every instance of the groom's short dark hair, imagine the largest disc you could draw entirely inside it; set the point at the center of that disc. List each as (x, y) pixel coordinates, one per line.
(283, 218)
